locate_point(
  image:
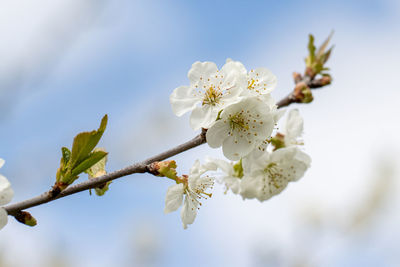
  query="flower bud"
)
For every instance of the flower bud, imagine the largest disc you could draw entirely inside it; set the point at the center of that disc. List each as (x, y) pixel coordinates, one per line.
(164, 169)
(297, 77)
(302, 93)
(25, 218)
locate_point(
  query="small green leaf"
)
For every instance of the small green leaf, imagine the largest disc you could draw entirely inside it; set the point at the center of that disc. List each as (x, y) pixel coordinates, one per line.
(322, 48)
(85, 142)
(66, 155)
(99, 168)
(311, 49)
(326, 56)
(91, 160)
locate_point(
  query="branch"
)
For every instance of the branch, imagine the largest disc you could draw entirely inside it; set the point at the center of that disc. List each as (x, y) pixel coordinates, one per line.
(141, 167)
(305, 81)
(300, 94)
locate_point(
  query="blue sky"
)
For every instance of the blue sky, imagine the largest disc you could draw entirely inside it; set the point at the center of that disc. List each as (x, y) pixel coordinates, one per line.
(67, 63)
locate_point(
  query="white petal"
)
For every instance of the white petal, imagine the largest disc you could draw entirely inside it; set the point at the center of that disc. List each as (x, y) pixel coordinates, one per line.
(1, 162)
(195, 169)
(278, 114)
(293, 161)
(253, 164)
(232, 183)
(209, 165)
(265, 80)
(201, 70)
(250, 187)
(189, 211)
(303, 157)
(225, 166)
(235, 66)
(3, 218)
(234, 147)
(294, 125)
(6, 192)
(183, 99)
(203, 117)
(174, 198)
(217, 133)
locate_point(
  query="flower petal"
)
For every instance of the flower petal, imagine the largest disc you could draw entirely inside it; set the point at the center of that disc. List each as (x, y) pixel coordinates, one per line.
(202, 117)
(183, 99)
(294, 125)
(236, 66)
(174, 198)
(3, 218)
(1, 162)
(250, 187)
(6, 192)
(201, 70)
(217, 133)
(261, 81)
(236, 146)
(189, 211)
(232, 183)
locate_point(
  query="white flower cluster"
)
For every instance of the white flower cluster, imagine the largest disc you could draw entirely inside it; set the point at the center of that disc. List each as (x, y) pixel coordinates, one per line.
(6, 194)
(268, 169)
(236, 108)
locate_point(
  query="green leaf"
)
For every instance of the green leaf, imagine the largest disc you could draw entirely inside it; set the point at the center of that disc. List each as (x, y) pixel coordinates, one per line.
(66, 155)
(326, 56)
(321, 49)
(311, 49)
(99, 168)
(84, 143)
(88, 162)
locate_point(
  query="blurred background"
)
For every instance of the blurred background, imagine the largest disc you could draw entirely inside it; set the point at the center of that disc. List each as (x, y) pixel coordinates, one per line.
(65, 63)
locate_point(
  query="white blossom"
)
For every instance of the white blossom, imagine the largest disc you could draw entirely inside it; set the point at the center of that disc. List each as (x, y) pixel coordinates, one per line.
(6, 194)
(190, 191)
(272, 172)
(260, 81)
(210, 90)
(242, 126)
(232, 172)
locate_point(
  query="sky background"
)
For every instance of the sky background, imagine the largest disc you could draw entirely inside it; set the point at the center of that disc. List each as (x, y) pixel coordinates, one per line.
(66, 63)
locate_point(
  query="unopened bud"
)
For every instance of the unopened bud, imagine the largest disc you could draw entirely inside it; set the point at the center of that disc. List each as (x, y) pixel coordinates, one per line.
(25, 218)
(297, 77)
(325, 80)
(163, 169)
(302, 93)
(310, 72)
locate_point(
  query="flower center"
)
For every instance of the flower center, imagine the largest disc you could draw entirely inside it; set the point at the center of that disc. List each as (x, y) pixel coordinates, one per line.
(199, 192)
(275, 176)
(212, 96)
(238, 122)
(251, 84)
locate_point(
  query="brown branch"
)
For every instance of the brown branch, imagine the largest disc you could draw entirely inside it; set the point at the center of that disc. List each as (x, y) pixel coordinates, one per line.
(140, 167)
(307, 80)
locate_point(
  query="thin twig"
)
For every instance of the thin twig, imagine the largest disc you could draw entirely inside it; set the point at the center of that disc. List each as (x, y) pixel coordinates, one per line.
(140, 167)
